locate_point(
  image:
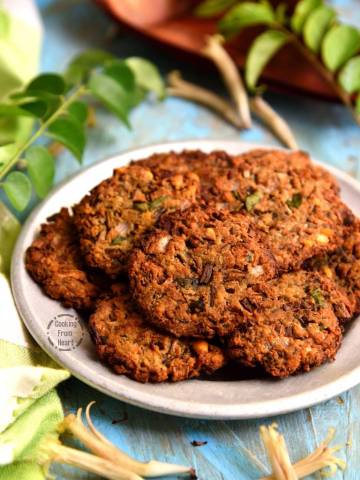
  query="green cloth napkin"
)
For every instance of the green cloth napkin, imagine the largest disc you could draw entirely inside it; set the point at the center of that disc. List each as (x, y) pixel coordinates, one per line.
(20, 45)
(30, 408)
(29, 405)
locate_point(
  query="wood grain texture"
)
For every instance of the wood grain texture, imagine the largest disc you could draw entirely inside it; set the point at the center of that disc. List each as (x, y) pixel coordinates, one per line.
(326, 131)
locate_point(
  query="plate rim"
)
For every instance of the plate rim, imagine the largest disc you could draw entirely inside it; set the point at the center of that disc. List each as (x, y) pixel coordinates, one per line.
(168, 406)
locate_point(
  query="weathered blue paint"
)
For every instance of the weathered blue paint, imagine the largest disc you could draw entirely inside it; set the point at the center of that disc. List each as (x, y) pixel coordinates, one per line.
(326, 130)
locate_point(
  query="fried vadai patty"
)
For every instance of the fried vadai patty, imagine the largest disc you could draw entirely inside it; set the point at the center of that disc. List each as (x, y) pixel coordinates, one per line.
(208, 166)
(132, 347)
(343, 266)
(295, 204)
(116, 213)
(294, 324)
(191, 276)
(54, 261)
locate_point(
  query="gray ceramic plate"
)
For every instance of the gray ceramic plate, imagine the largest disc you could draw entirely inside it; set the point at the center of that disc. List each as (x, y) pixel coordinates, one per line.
(220, 399)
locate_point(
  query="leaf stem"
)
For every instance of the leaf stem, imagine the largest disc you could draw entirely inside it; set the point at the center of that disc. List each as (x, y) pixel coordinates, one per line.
(190, 91)
(273, 120)
(81, 90)
(216, 52)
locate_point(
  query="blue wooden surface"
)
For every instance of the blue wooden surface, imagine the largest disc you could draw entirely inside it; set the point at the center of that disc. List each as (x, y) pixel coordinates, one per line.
(325, 130)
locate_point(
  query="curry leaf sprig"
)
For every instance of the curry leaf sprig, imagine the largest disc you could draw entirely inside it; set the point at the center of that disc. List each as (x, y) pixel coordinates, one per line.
(313, 28)
(59, 106)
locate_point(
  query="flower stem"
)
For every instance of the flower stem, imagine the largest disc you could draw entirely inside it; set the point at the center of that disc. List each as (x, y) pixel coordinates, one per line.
(103, 448)
(190, 91)
(57, 452)
(274, 121)
(278, 453)
(216, 52)
(322, 457)
(81, 90)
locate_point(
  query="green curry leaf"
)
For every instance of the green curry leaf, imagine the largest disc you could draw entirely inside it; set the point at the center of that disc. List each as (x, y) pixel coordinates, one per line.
(9, 230)
(349, 77)
(113, 95)
(80, 68)
(209, 8)
(41, 169)
(301, 12)
(47, 82)
(147, 75)
(70, 134)
(340, 43)
(261, 51)
(78, 111)
(316, 26)
(246, 14)
(17, 187)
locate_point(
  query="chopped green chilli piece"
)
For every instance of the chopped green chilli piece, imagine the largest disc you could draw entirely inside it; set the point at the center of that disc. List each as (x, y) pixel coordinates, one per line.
(141, 206)
(250, 257)
(295, 201)
(157, 202)
(252, 200)
(318, 297)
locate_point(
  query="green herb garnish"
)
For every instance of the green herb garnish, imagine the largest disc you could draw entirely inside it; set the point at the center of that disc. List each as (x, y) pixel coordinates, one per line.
(141, 206)
(250, 257)
(153, 205)
(157, 202)
(117, 240)
(252, 200)
(295, 201)
(318, 298)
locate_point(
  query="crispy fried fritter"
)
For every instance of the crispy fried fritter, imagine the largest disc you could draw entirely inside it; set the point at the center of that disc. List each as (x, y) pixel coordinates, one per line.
(293, 326)
(173, 162)
(54, 261)
(343, 266)
(113, 217)
(191, 277)
(136, 349)
(295, 204)
(208, 166)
